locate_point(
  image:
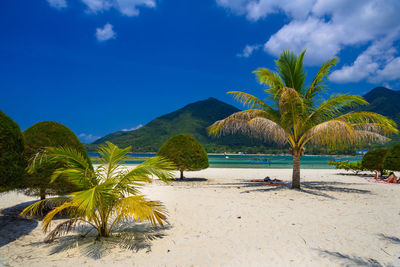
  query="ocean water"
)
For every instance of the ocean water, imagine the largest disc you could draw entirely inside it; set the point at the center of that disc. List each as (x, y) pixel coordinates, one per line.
(260, 161)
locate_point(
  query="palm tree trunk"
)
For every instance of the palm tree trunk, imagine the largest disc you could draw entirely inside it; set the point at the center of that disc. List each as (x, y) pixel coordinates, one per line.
(182, 175)
(42, 193)
(296, 170)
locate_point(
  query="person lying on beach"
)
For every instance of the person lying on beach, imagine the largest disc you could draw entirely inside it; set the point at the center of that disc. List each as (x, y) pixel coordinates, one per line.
(390, 179)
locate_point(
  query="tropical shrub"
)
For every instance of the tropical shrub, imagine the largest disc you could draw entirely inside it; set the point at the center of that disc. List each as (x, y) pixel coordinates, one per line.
(392, 158)
(373, 160)
(185, 152)
(298, 117)
(49, 134)
(12, 158)
(110, 195)
(355, 167)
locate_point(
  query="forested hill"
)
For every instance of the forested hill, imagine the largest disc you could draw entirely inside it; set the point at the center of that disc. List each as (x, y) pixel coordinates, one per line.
(386, 102)
(192, 119)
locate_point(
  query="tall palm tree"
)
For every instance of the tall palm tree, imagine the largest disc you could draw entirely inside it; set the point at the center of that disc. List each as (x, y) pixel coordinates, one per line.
(296, 114)
(110, 192)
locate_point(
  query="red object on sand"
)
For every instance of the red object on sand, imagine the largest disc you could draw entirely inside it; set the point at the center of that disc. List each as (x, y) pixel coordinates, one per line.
(274, 182)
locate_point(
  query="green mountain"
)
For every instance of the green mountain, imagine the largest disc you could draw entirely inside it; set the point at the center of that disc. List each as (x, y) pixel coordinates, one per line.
(386, 102)
(192, 119)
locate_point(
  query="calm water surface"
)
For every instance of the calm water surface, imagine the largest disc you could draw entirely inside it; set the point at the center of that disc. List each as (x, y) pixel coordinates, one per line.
(260, 161)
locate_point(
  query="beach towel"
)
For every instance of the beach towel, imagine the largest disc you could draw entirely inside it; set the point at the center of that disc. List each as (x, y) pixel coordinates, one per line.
(373, 180)
(275, 182)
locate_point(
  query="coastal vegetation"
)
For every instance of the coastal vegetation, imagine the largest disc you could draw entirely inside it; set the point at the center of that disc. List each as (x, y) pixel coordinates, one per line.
(295, 115)
(185, 152)
(374, 160)
(12, 157)
(110, 193)
(38, 137)
(356, 167)
(392, 158)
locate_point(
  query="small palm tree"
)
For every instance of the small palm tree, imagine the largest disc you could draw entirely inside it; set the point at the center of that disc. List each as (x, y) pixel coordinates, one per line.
(298, 115)
(110, 192)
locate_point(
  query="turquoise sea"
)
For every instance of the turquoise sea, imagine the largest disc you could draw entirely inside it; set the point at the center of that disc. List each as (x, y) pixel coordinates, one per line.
(260, 161)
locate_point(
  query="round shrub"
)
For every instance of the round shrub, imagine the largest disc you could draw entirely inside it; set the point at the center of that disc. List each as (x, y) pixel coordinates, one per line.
(12, 158)
(49, 134)
(185, 152)
(392, 159)
(373, 160)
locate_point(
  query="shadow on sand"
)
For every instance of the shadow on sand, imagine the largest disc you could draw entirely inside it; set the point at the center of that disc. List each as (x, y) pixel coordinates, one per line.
(351, 260)
(190, 180)
(317, 188)
(129, 236)
(14, 226)
(391, 239)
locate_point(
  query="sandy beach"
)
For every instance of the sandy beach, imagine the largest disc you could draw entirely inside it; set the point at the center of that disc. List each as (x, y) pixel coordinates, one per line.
(218, 218)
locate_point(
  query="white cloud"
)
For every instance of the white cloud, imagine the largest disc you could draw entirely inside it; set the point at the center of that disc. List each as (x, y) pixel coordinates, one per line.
(125, 7)
(133, 128)
(255, 10)
(248, 50)
(88, 138)
(59, 4)
(105, 33)
(376, 64)
(326, 27)
(387, 85)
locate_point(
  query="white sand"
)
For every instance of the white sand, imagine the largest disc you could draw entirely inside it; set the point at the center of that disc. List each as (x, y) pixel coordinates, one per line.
(334, 220)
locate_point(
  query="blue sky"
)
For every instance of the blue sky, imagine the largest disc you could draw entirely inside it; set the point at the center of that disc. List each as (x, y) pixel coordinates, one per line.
(100, 66)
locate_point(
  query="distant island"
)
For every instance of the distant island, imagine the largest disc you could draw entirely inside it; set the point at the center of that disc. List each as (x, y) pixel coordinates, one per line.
(194, 119)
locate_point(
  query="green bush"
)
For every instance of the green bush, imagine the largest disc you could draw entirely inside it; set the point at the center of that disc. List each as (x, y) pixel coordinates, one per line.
(373, 160)
(185, 152)
(12, 158)
(355, 167)
(392, 159)
(48, 134)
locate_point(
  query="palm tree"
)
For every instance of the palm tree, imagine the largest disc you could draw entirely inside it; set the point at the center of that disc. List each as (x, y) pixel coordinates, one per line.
(298, 115)
(110, 192)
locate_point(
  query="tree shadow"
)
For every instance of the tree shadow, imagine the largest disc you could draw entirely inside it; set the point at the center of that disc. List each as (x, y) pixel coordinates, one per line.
(194, 179)
(351, 260)
(391, 239)
(130, 236)
(13, 225)
(317, 188)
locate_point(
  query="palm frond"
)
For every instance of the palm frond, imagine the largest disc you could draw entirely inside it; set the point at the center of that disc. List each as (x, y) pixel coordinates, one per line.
(270, 78)
(334, 106)
(334, 133)
(238, 122)
(318, 84)
(112, 155)
(140, 209)
(68, 207)
(290, 67)
(155, 166)
(88, 201)
(38, 207)
(370, 121)
(249, 100)
(61, 229)
(268, 130)
(250, 122)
